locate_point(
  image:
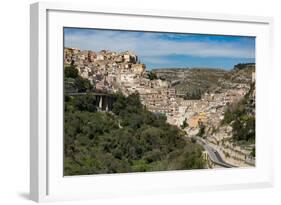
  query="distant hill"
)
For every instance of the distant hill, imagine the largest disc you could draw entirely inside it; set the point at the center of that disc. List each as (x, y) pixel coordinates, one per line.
(242, 73)
(192, 82)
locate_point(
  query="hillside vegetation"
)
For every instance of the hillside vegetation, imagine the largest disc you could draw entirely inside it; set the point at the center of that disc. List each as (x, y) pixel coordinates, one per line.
(128, 139)
(241, 116)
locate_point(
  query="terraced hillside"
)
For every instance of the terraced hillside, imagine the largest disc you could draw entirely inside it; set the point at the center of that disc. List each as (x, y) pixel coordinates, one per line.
(191, 83)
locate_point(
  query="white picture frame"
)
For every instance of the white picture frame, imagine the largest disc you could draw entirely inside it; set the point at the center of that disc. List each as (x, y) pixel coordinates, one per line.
(46, 180)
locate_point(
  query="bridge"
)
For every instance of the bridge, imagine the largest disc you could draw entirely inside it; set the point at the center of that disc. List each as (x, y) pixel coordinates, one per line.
(104, 101)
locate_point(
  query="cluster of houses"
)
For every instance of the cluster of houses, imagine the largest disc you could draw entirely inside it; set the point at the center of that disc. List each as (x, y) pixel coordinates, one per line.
(105, 69)
(111, 72)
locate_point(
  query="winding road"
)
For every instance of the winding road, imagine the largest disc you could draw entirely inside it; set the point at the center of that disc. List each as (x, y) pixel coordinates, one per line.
(213, 154)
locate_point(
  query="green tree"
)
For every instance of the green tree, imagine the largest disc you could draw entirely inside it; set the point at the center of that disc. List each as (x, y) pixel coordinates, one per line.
(85, 103)
(194, 94)
(253, 153)
(82, 84)
(152, 75)
(70, 72)
(95, 143)
(202, 128)
(184, 124)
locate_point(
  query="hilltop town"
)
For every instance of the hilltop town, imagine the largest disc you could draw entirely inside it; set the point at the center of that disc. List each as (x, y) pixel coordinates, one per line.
(165, 91)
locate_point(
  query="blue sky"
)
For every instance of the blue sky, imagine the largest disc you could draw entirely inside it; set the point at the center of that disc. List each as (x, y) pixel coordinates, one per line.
(163, 50)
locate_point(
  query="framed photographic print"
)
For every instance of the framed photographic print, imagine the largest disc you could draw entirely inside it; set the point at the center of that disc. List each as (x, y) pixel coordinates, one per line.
(127, 102)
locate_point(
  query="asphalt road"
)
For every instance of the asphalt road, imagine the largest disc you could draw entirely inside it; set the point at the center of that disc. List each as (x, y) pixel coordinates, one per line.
(213, 154)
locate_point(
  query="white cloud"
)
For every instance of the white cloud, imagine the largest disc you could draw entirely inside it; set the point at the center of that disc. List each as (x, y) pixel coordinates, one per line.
(156, 60)
(149, 44)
